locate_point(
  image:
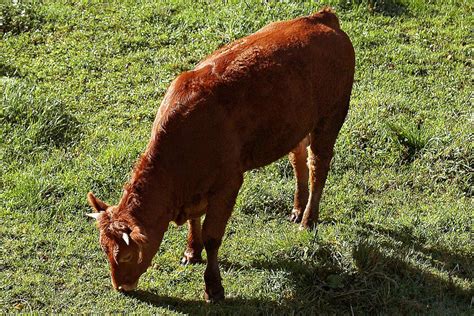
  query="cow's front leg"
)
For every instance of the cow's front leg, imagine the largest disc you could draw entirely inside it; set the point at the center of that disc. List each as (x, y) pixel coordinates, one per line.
(194, 246)
(219, 211)
(213, 291)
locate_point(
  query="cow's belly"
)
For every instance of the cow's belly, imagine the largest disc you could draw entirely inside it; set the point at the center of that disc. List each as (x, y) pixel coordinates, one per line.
(268, 147)
(275, 135)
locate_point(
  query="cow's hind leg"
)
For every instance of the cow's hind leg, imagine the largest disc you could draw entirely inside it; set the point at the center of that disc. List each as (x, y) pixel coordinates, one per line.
(298, 158)
(194, 247)
(322, 140)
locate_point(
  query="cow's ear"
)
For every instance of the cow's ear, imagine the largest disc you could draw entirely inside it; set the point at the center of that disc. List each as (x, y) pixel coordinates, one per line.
(97, 204)
(138, 235)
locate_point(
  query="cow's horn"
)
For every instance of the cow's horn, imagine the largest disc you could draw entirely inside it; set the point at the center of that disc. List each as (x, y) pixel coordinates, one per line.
(126, 238)
(93, 215)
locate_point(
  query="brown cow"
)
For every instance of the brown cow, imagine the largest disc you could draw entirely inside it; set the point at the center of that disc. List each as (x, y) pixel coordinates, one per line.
(276, 91)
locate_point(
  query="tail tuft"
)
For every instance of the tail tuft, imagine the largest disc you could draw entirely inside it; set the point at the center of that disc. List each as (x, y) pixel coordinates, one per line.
(326, 16)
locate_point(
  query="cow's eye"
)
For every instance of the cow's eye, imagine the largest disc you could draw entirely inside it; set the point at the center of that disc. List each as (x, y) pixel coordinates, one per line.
(126, 258)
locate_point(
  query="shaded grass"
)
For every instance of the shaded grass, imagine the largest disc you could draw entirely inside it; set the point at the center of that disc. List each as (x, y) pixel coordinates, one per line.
(19, 17)
(81, 82)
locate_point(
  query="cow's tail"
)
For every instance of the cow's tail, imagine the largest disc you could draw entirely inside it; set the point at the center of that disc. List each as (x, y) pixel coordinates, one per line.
(326, 16)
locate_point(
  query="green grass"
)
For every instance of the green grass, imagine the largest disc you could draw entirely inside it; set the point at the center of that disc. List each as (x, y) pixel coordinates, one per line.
(80, 85)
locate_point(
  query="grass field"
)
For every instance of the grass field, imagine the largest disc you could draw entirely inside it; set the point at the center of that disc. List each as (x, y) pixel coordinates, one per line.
(80, 85)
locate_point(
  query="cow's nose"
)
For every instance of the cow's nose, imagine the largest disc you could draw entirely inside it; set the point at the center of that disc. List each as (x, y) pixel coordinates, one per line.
(127, 287)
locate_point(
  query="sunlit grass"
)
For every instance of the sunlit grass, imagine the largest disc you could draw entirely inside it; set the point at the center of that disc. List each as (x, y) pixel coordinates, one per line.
(81, 82)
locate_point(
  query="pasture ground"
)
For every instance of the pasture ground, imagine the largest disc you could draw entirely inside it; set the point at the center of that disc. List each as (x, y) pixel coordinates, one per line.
(80, 85)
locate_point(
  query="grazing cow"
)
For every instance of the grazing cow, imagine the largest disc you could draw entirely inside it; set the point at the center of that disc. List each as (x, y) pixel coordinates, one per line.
(277, 91)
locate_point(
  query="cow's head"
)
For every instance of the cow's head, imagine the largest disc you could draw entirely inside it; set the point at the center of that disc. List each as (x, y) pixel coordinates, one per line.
(126, 245)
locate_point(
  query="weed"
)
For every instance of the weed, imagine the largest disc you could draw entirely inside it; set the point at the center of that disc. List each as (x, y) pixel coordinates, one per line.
(411, 137)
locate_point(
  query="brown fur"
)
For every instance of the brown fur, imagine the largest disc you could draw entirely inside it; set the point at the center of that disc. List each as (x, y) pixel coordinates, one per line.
(276, 91)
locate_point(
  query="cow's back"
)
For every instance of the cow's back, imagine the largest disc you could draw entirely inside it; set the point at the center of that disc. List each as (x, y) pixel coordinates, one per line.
(277, 84)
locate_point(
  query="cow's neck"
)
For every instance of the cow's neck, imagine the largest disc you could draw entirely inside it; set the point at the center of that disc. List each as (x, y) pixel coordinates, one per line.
(157, 181)
(146, 199)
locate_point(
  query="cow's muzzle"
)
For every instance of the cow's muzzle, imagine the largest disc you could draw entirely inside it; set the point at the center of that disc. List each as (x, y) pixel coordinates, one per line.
(127, 287)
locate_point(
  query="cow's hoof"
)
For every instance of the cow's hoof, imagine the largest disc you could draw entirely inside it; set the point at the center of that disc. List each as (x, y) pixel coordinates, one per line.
(214, 296)
(188, 259)
(296, 216)
(307, 225)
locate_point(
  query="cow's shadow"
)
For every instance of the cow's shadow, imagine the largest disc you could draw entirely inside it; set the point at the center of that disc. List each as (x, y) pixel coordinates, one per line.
(384, 280)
